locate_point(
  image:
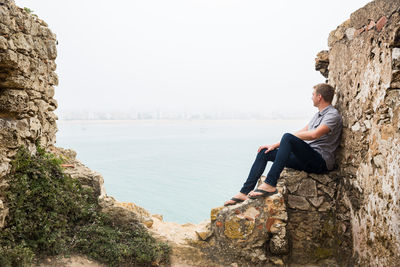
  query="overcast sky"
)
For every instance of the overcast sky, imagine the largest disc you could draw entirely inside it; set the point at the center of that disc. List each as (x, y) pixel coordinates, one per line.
(190, 55)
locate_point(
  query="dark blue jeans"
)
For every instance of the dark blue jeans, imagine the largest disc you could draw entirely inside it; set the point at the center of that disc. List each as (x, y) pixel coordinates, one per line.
(293, 153)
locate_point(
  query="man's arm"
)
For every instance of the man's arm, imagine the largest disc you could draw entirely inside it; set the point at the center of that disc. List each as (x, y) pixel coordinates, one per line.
(275, 146)
(302, 130)
(313, 134)
(303, 134)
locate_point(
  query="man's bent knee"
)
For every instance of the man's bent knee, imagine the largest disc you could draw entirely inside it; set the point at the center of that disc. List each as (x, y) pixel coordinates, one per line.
(262, 153)
(270, 156)
(287, 136)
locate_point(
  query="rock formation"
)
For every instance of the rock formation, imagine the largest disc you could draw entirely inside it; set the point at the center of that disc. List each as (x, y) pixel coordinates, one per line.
(364, 68)
(347, 217)
(27, 80)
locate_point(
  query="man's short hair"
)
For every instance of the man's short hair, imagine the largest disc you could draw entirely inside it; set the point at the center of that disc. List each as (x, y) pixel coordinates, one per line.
(326, 91)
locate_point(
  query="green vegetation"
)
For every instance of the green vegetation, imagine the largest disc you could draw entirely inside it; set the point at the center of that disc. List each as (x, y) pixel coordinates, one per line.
(52, 214)
(29, 11)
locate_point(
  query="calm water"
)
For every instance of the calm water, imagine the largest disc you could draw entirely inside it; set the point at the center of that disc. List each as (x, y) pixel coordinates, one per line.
(180, 169)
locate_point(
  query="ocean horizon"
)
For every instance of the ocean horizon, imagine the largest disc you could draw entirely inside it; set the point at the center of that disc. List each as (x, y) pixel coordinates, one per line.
(178, 168)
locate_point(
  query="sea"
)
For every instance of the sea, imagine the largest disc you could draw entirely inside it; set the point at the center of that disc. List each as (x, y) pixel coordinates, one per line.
(178, 168)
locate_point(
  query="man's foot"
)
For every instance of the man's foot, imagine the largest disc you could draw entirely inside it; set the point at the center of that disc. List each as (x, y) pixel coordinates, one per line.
(238, 198)
(264, 187)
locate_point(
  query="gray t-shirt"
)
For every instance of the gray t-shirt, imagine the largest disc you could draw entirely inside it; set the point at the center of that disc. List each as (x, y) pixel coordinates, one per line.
(327, 144)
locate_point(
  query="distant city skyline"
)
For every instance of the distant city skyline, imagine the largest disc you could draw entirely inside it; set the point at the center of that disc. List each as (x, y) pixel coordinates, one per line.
(160, 115)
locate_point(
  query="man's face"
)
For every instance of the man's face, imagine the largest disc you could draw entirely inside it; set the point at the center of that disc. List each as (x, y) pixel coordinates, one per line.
(316, 98)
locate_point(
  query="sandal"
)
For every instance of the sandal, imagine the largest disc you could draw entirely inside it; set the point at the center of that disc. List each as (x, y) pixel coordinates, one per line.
(263, 193)
(236, 201)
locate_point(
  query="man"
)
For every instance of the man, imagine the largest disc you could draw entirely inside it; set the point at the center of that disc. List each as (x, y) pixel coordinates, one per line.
(311, 149)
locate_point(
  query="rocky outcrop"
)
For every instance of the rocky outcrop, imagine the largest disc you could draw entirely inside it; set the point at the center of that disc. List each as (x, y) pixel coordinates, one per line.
(253, 232)
(296, 226)
(123, 212)
(322, 63)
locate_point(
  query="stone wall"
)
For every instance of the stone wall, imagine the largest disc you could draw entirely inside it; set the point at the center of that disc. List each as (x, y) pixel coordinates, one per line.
(314, 232)
(364, 67)
(27, 80)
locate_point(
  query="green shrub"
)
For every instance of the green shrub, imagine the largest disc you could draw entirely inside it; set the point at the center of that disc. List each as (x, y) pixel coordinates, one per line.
(16, 255)
(28, 10)
(51, 214)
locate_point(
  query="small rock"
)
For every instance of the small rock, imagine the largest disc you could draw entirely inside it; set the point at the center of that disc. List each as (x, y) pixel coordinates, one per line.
(279, 245)
(4, 167)
(322, 63)
(277, 261)
(250, 214)
(356, 127)
(325, 207)
(367, 124)
(3, 215)
(3, 43)
(322, 178)
(292, 188)
(327, 190)
(316, 201)
(294, 177)
(359, 31)
(298, 202)
(370, 26)
(281, 215)
(215, 212)
(148, 223)
(350, 33)
(379, 161)
(158, 216)
(277, 226)
(270, 222)
(343, 227)
(204, 235)
(307, 188)
(380, 23)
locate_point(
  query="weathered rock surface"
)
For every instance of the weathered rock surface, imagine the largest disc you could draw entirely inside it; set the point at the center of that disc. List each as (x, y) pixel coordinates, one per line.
(27, 80)
(365, 71)
(322, 63)
(253, 231)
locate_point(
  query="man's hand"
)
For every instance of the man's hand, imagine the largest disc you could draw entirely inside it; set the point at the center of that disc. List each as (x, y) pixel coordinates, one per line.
(268, 147)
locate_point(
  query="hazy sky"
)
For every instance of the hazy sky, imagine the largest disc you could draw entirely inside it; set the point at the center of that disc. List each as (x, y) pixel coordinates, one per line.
(190, 55)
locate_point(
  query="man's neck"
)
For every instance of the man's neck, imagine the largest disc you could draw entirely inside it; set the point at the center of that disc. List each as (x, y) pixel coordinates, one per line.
(322, 106)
